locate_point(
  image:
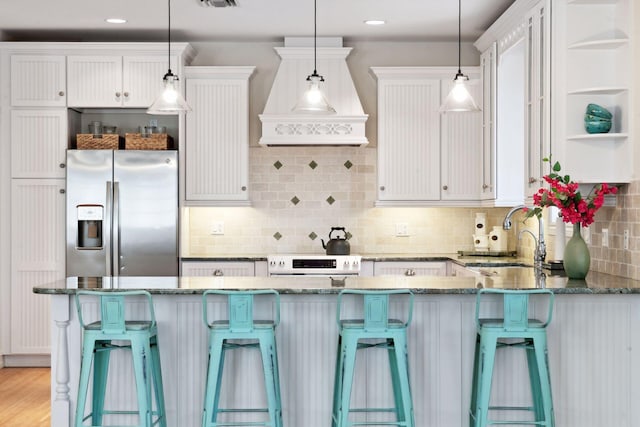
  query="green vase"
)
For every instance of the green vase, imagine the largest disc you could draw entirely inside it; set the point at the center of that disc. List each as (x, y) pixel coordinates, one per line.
(576, 255)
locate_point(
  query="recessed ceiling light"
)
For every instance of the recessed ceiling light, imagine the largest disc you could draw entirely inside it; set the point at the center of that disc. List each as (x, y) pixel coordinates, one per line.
(116, 20)
(374, 22)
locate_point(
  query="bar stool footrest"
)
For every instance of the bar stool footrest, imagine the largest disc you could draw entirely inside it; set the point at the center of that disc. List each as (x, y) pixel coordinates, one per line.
(511, 408)
(517, 422)
(236, 410)
(372, 410)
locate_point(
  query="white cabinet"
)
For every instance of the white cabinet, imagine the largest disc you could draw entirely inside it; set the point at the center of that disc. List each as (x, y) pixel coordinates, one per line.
(216, 158)
(488, 60)
(115, 81)
(425, 157)
(38, 143)
(38, 81)
(593, 59)
(218, 268)
(410, 268)
(37, 258)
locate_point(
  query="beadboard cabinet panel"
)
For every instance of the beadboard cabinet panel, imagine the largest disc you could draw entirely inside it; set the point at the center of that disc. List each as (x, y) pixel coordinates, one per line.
(38, 81)
(94, 81)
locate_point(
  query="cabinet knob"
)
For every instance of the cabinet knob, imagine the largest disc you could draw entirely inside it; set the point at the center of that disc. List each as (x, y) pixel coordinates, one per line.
(410, 272)
(118, 94)
(485, 186)
(62, 191)
(218, 272)
(61, 93)
(382, 188)
(62, 166)
(244, 188)
(126, 94)
(445, 187)
(532, 180)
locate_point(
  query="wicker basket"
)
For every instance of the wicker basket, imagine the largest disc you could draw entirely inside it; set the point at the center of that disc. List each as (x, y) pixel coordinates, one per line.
(154, 141)
(88, 141)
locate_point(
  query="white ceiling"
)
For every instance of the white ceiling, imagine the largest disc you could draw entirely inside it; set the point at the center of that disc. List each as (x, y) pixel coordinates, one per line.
(83, 20)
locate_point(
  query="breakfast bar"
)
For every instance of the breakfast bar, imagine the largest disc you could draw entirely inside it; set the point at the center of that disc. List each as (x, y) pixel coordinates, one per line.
(593, 347)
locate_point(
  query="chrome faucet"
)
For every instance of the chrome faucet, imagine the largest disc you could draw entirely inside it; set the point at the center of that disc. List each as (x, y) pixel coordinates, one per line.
(541, 249)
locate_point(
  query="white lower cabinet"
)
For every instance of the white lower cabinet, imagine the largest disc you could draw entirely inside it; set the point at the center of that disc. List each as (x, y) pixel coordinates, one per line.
(410, 268)
(218, 268)
(37, 258)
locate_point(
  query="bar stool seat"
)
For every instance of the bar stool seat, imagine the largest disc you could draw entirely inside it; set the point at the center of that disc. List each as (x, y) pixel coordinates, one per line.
(241, 330)
(388, 333)
(113, 332)
(515, 329)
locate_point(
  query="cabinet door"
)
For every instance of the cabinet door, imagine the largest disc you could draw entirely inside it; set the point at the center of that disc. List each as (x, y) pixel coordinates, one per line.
(38, 143)
(37, 258)
(38, 81)
(488, 77)
(142, 79)
(410, 268)
(408, 139)
(462, 148)
(205, 268)
(94, 81)
(217, 142)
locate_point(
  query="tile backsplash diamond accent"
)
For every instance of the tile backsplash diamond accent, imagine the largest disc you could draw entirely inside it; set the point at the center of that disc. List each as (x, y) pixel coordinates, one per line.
(277, 235)
(348, 164)
(313, 236)
(277, 164)
(295, 200)
(330, 200)
(313, 164)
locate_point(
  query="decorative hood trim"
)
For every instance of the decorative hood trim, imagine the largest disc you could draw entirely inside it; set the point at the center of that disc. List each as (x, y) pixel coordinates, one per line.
(282, 127)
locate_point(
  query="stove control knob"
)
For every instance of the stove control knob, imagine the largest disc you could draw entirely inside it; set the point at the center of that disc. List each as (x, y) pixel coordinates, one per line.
(272, 263)
(355, 263)
(281, 263)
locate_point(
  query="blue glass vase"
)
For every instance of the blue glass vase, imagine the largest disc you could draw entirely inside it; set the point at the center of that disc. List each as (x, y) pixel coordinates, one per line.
(576, 255)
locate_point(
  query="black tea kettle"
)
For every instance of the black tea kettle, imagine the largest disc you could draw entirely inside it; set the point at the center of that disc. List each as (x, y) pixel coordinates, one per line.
(337, 245)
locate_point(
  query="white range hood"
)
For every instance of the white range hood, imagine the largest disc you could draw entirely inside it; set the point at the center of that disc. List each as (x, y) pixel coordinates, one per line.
(282, 127)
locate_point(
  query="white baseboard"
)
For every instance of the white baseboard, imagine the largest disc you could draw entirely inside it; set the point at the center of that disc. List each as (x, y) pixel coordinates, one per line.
(25, 361)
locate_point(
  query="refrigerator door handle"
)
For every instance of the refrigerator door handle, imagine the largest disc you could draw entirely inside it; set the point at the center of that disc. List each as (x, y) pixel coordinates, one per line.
(109, 227)
(116, 228)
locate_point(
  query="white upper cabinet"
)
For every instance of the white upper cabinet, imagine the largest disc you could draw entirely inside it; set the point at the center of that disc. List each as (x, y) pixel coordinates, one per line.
(217, 136)
(38, 143)
(38, 81)
(115, 81)
(488, 60)
(426, 157)
(593, 61)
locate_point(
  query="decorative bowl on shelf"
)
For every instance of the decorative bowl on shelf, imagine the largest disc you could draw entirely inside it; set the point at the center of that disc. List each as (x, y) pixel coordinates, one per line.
(597, 126)
(592, 118)
(598, 111)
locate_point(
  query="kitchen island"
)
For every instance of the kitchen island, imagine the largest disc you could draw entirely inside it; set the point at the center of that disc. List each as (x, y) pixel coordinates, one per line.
(593, 344)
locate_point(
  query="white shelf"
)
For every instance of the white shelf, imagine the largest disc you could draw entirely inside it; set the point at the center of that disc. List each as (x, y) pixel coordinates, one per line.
(600, 44)
(599, 91)
(598, 136)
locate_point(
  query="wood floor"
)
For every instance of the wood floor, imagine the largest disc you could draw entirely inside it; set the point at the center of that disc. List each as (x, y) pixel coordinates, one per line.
(24, 397)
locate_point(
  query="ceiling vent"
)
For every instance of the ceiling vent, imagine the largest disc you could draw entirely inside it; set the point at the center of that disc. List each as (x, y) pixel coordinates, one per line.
(219, 3)
(282, 127)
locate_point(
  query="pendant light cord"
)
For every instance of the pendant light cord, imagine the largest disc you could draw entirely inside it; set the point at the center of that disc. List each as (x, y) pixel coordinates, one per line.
(169, 36)
(315, 36)
(459, 35)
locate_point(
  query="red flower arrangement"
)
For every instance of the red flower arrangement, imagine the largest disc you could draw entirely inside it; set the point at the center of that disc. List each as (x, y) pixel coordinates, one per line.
(563, 193)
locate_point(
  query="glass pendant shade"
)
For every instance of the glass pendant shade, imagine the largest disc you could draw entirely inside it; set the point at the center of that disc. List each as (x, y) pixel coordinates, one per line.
(459, 99)
(170, 100)
(313, 100)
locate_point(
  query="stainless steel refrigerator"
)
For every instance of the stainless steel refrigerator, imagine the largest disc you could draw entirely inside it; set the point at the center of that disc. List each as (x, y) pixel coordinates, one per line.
(122, 213)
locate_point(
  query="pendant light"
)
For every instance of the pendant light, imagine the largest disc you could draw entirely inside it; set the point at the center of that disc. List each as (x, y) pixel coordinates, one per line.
(459, 99)
(313, 100)
(170, 100)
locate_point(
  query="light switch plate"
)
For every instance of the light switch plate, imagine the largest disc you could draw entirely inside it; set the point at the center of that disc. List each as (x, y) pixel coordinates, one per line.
(402, 229)
(605, 237)
(217, 228)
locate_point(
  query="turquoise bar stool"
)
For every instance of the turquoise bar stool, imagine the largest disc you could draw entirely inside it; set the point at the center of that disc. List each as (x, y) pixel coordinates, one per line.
(381, 332)
(515, 329)
(240, 330)
(113, 332)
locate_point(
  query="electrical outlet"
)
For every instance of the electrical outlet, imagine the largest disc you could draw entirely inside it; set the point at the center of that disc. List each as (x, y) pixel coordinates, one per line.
(402, 229)
(605, 237)
(586, 235)
(153, 122)
(217, 228)
(625, 239)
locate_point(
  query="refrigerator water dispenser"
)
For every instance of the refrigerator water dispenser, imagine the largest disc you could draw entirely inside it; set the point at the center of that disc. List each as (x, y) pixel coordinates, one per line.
(90, 219)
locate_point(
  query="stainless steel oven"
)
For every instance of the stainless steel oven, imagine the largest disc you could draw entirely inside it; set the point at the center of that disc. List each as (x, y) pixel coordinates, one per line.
(314, 265)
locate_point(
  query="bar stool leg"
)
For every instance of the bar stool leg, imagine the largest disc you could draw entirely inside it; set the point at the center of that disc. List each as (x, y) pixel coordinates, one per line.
(475, 383)
(337, 384)
(214, 376)
(534, 379)
(158, 387)
(266, 350)
(402, 356)
(488, 346)
(276, 376)
(83, 386)
(100, 370)
(542, 357)
(142, 369)
(395, 380)
(349, 348)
